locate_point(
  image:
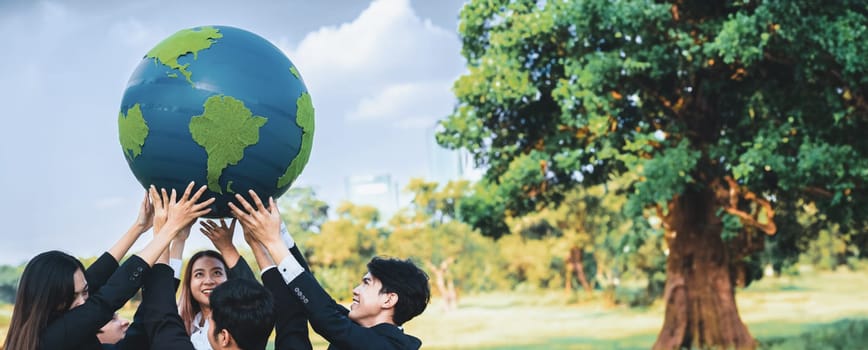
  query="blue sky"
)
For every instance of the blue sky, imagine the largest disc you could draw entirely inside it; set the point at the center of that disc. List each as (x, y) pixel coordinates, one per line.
(379, 73)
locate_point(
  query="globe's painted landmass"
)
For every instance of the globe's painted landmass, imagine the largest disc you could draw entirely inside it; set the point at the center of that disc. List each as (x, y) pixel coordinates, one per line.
(133, 131)
(242, 119)
(182, 43)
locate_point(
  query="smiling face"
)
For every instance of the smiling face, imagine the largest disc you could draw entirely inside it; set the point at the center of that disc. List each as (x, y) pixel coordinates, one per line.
(368, 303)
(207, 273)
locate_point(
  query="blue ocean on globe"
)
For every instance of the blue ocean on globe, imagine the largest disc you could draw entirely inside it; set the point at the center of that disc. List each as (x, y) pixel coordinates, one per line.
(219, 106)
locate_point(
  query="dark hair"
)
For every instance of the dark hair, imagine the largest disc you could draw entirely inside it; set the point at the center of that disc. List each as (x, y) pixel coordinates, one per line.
(188, 306)
(405, 279)
(46, 291)
(245, 309)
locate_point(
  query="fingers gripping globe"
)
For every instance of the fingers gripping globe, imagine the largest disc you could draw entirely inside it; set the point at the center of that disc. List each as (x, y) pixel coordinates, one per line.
(220, 106)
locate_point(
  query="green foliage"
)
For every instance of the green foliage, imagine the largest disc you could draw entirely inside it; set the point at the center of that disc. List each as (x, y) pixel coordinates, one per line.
(485, 211)
(429, 233)
(843, 334)
(668, 97)
(533, 264)
(9, 276)
(476, 261)
(662, 177)
(732, 226)
(344, 246)
(303, 213)
(828, 251)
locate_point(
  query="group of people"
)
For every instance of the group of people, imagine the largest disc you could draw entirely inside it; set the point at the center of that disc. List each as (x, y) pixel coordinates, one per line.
(61, 305)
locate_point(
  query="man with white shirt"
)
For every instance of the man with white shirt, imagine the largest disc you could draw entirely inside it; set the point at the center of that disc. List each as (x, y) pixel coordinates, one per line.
(390, 294)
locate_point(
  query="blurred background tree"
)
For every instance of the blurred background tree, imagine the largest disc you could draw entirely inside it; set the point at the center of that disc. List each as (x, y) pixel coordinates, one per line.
(339, 253)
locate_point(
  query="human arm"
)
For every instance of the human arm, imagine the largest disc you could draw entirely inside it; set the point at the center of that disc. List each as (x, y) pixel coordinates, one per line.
(76, 326)
(261, 224)
(158, 312)
(176, 251)
(80, 324)
(143, 222)
(221, 236)
(291, 330)
(98, 273)
(327, 317)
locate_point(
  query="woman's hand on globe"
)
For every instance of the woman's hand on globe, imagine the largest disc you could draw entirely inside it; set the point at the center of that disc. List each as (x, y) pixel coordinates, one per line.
(146, 216)
(261, 223)
(221, 237)
(182, 211)
(160, 202)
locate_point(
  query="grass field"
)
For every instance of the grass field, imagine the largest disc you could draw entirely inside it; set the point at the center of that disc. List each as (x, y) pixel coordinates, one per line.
(782, 313)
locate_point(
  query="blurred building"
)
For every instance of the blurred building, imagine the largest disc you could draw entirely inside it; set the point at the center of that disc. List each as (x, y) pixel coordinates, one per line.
(377, 190)
(446, 165)
(385, 191)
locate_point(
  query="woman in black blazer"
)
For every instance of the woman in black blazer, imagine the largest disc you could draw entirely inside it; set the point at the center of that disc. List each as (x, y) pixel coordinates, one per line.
(56, 308)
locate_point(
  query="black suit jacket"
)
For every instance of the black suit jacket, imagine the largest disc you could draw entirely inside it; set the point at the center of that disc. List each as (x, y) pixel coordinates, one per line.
(290, 320)
(137, 336)
(159, 312)
(330, 320)
(77, 328)
(241, 270)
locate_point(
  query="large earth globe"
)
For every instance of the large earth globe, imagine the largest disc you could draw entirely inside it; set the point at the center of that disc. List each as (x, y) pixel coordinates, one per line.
(220, 106)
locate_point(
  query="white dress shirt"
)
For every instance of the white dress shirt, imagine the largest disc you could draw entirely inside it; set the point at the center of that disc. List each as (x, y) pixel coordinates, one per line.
(199, 335)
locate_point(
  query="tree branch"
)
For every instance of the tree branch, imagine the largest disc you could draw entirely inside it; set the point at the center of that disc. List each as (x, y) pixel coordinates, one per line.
(818, 191)
(746, 218)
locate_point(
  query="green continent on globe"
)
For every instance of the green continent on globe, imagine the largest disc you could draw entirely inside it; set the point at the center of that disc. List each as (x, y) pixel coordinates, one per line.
(304, 119)
(133, 130)
(181, 43)
(295, 72)
(225, 129)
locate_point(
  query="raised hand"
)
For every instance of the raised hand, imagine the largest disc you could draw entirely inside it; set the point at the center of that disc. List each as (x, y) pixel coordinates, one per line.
(184, 210)
(142, 224)
(261, 223)
(146, 216)
(181, 213)
(261, 226)
(221, 237)
(160, 202)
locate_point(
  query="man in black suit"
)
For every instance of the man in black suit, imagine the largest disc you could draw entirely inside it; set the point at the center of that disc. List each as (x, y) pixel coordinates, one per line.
(391, 293)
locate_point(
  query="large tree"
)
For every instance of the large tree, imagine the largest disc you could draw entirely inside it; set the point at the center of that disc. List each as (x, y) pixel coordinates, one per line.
(718, 112)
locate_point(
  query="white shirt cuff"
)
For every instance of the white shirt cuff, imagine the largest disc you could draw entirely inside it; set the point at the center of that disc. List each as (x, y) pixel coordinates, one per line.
(284, 235)
(176, 264)
(262, 273)
(289, 269)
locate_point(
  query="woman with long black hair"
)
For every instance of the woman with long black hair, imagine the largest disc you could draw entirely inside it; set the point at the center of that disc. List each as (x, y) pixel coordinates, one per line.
(60, 305)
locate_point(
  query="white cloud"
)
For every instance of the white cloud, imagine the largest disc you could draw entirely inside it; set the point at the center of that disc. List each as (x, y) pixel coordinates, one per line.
(387, 37)
(382, 65)
(411, 105)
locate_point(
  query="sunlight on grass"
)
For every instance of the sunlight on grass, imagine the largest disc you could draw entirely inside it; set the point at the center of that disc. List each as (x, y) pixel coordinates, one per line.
(779, 311)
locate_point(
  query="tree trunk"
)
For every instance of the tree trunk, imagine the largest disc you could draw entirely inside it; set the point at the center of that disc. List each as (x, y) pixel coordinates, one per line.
(444, 283)
(700, 300)
(576, 264)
